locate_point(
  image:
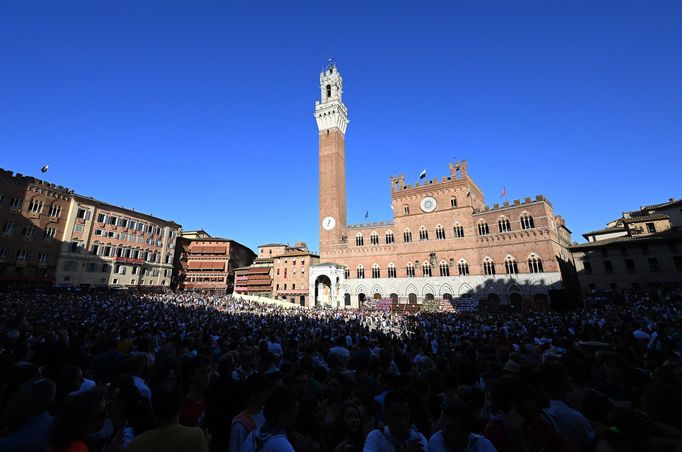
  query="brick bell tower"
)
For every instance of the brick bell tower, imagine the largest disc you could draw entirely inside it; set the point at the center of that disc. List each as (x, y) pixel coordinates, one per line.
(332, 119)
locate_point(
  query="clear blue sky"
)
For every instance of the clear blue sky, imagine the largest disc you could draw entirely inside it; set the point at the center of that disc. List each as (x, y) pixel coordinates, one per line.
(202, 112)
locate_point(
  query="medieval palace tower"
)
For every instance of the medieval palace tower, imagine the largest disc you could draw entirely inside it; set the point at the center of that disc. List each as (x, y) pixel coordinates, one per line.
(443, 242)
(332, 120)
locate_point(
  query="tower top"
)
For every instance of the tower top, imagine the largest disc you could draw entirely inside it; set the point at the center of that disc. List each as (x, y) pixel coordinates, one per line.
(331, 83)
(330, 112)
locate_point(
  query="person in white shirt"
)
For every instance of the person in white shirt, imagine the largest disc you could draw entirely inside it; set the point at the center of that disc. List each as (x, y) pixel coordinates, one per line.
(455, 434)
(571, 423)
(399, 435)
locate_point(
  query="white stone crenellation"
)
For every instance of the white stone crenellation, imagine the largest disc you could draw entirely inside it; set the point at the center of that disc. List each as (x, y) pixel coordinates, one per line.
(330, 112)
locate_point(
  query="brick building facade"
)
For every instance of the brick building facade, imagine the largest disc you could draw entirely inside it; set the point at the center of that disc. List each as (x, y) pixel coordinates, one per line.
(206, 263)
(257, 279)
(33, 221)
(443, 240)
(291, 269)
(280, 271)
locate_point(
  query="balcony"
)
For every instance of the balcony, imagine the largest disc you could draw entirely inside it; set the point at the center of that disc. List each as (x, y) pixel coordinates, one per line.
(128, 260)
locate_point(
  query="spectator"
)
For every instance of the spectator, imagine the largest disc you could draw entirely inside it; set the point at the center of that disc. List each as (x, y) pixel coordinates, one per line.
(79, 418)
(130, 413)
(25, 419)
(168, 435)
(193, 406)
(281, 411)
(251, 417)
(456, 422)
(399, 435)
(347, 434)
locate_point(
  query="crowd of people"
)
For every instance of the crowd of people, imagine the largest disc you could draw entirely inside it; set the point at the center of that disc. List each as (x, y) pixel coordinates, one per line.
(192, 372)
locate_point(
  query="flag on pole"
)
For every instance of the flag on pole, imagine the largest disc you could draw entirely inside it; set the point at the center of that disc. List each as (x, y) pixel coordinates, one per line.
(44, 169)
(504, 191)
(422, 175)
(366, 214)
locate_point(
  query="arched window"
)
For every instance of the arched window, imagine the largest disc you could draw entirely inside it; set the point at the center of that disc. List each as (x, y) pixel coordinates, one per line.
(463, 268)
(534, 264)
(511, 267)
(483, 228)
(360, 272)
(329, 91)
(423, 233)
(426, 269)
(488, 266)
(453, 202)
(391, 270)
(406, 210)
(444, 268)
(503, 224)
(55, 210)
(359, 239)
(374, 238)
(409, 270)
(346, 272)
(440, 233)
(389, 237)
(527, 221)
(407, 236)
(376, 271)
(35, 206)
(458, 230)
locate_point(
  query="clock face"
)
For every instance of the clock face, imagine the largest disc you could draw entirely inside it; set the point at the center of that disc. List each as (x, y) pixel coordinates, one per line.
(428, 204)
(328, 223)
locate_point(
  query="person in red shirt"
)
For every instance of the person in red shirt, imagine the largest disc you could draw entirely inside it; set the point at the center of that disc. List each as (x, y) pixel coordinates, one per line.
(198, 372)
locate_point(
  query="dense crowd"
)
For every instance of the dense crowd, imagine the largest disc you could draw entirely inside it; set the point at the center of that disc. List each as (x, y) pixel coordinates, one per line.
(187, 372)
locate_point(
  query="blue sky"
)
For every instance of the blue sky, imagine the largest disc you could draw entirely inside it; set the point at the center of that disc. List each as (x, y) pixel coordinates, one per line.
(202, 112)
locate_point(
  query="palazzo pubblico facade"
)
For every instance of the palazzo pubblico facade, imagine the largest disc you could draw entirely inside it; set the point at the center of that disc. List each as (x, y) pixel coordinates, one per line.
(443, 242)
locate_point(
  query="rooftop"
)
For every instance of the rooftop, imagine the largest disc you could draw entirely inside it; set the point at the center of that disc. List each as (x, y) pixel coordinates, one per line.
(131, 212)
(605, 231)
(641, 218)
(665, 235)
(672, 202)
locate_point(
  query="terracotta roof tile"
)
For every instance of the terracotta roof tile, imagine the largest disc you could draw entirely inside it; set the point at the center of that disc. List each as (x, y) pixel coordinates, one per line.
(654, 217)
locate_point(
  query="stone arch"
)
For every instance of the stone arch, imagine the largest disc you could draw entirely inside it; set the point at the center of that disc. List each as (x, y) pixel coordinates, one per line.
(392, 289)
(361, 289)
(514, 288)
(465, 289)
(323, 290)
(428, 288)
(411, 289)
(446, 288)
(492, 288)
(538, 288)
(376, 289)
